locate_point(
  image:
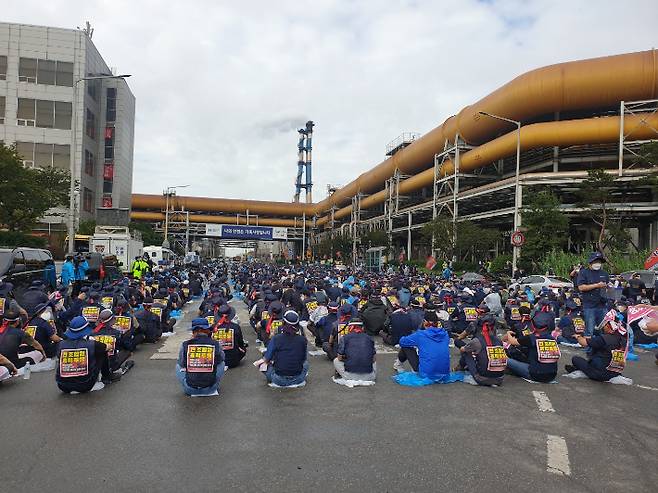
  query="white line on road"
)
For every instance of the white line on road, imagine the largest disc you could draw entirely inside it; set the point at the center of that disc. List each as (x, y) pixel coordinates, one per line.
(645, 387)
(557, 456)
(543, 403)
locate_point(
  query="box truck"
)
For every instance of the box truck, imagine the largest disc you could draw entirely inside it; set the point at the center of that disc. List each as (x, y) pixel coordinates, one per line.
(117, 241)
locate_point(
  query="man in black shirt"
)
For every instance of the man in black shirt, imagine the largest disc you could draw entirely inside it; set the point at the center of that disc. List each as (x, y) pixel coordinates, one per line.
(12, 336)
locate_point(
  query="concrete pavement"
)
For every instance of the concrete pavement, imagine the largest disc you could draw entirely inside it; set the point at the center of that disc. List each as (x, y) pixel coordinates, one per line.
(143, 434)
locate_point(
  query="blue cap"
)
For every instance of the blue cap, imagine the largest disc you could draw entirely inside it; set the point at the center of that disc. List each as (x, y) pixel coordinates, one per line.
(78, 328)
(200, 323)
(542, 320)
(291, 317)
(595, 256)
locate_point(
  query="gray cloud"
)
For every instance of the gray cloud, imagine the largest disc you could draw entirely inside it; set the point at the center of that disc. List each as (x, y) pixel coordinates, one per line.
(221, 87)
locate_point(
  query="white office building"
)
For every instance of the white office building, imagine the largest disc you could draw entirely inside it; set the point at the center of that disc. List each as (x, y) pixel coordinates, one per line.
(39, 67)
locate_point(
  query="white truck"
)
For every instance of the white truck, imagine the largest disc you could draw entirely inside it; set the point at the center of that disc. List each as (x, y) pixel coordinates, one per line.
(117, 241)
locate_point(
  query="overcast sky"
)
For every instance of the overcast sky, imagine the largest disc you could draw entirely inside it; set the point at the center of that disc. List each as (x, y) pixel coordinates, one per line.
(222, 86)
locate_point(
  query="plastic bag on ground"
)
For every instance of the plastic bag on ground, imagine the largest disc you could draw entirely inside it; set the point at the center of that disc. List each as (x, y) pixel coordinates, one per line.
(413, 379)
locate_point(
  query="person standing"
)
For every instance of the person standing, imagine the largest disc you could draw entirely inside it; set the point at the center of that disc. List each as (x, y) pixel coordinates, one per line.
(592, 283)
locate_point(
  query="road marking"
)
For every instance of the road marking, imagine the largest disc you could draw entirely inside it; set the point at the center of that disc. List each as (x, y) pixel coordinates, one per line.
(644, 387)
(543, 402)
(557, 456)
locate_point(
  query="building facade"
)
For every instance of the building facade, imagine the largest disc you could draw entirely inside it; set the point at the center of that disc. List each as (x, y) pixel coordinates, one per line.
(48, 112)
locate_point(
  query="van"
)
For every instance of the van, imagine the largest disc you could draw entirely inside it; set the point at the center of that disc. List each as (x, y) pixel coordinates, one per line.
(21, 265)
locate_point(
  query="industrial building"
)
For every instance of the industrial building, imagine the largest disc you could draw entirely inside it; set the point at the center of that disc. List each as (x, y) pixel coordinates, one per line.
(545, 128)
(57, 102)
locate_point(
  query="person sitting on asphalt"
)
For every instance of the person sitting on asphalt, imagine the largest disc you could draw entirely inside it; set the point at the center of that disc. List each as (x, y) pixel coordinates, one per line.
(323, 328)
(400, 325)
(483, 356)
(426, 349)
(355, 356)
(285, 356)
(200, 364)
(34, 297)
(17, 345)
(271, 322)
(42, 328)
(118, 345)
(338, 330)
(542, 349)
(82, 360)
(571, 323)
(609, 350)
(229, 335)
(374, 315)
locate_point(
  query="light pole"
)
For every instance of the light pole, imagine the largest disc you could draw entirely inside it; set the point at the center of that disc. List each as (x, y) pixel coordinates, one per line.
(517, 188)
(74, 126)
(169, 192)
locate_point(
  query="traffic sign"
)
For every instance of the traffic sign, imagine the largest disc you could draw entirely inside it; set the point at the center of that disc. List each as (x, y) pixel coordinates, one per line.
(517, 239)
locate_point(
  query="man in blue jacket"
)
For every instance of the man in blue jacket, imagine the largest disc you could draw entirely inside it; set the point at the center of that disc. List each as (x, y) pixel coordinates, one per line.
(426, 349)
(68, 271)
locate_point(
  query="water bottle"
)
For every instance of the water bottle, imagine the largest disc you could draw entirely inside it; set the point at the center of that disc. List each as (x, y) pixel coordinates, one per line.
(26, 372)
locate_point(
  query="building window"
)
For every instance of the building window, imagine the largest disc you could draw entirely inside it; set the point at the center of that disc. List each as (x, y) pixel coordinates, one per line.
(26, 113)
(87, 200)
(111, 109)
(62, 156)
(2, 109)
(109, 148)
(44, 114)
(63, 115)
(26, 151)
(3, 67)
(44, 155)
(107, 186)
(90, 128)
(92, 89)
(46, 72)
(27, 70)
(90, 163)
(51, 72)
(64, 74)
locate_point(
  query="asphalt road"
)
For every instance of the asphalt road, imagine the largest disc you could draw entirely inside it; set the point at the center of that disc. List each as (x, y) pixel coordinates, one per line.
(143, 434)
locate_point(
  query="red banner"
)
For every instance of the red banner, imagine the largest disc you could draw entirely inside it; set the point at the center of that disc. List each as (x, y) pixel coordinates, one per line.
(652, 260)
(107, 202)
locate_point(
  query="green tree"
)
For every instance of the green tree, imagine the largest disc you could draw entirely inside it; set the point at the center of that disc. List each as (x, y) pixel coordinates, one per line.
(594, 197)
(27, 193)
(547, 226)
(87, 227)
(149, 236)
(472, 240)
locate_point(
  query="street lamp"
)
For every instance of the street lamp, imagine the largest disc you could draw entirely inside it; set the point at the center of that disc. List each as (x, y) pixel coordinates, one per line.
(517, 188)
(74, 111)
(168, 192)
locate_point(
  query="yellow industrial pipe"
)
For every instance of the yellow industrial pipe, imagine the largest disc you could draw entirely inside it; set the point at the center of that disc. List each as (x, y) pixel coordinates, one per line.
(201, 218)
(601, 130)
(580, 85)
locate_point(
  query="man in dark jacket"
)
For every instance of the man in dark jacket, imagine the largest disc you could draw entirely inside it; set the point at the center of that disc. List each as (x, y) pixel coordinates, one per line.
(374, 315)
(355, 358)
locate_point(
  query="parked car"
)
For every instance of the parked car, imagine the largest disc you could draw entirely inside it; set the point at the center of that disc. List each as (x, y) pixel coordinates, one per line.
(472, 277)
(537, 283)
(21, 265)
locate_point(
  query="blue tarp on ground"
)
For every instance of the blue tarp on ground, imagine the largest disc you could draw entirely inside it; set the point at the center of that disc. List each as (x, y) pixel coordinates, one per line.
(653, 345)
(413, 379)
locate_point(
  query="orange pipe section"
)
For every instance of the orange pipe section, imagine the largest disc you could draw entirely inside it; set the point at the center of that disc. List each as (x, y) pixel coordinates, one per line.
(201, 218)
(237, 206)
(562, 133)
(586, 84)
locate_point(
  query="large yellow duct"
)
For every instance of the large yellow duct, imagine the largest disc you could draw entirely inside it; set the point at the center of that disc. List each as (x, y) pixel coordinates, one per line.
(580, 85)
(201, 218)
(601, 130)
